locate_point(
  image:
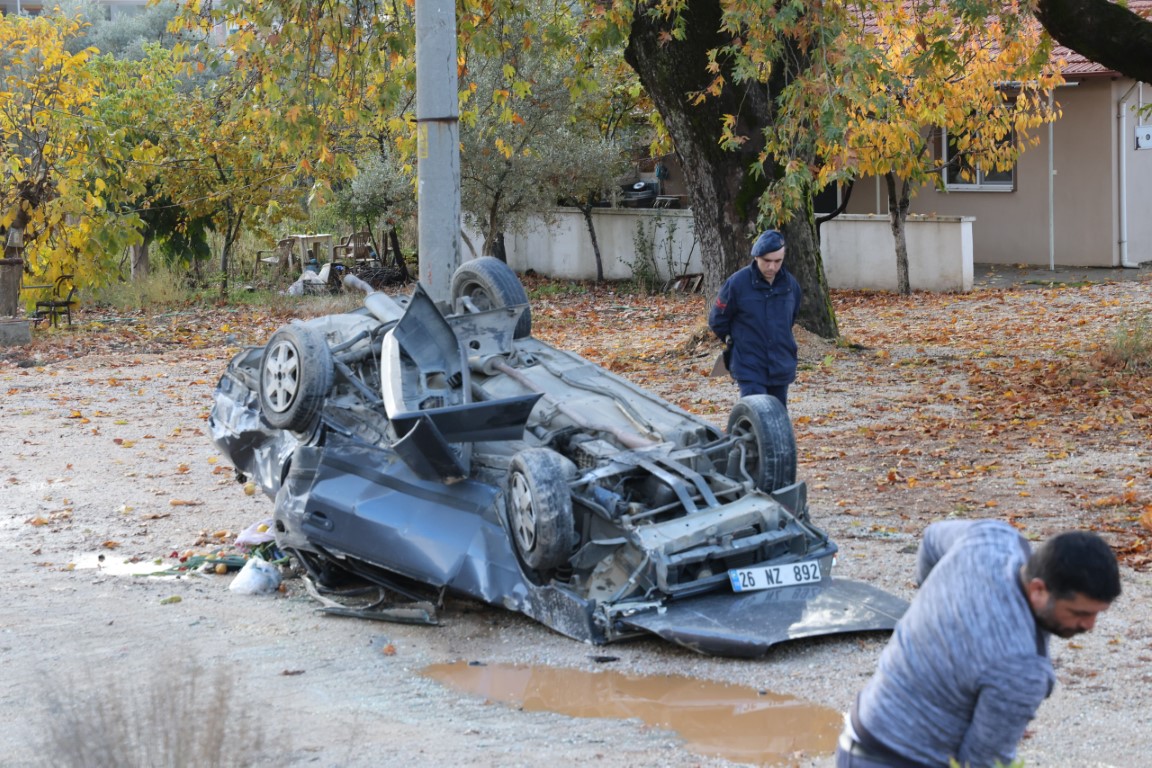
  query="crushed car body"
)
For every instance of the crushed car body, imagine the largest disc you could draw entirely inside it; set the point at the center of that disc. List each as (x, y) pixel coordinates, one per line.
(436, 451)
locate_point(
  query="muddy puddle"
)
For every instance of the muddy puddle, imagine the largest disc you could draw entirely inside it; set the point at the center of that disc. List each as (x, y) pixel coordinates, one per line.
(734, 722)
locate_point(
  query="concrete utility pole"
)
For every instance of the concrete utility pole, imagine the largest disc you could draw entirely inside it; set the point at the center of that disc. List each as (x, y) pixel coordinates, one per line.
(438, 147)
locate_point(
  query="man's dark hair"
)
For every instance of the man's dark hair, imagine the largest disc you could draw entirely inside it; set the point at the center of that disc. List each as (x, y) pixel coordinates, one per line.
(1076, 562)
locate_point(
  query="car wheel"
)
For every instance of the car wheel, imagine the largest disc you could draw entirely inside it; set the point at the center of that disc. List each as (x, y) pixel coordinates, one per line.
(491, 284)
(295, 376)
(769, 445)
(540, 508)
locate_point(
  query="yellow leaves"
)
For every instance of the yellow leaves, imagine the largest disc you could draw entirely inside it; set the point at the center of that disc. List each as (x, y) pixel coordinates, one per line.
(1127, 499)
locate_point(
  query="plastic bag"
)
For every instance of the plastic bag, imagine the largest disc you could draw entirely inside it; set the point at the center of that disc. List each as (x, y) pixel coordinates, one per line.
(257, 577)
(252, 536)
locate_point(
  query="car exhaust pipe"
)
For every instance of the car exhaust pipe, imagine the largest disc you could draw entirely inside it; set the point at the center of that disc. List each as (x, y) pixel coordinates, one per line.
(381, 305)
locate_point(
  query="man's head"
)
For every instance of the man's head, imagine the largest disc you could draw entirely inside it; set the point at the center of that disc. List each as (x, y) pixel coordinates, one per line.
(768, 251)
(1070, 580)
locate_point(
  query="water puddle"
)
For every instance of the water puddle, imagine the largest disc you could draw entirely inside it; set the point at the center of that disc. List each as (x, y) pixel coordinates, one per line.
(118, 566)
(715, 719)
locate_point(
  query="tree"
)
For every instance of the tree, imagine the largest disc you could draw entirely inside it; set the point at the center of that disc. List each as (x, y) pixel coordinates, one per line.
(135, 49)
(527, 139)
(126, 37)
(719, 136)
(201, 157)
(1105, 32)
(59, 175)
(592, 167)
(379, 192)
(911, 82)
(226, 167)
(620, 113)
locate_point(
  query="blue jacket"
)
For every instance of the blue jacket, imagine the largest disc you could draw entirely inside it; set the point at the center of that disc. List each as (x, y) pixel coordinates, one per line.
(759, 316)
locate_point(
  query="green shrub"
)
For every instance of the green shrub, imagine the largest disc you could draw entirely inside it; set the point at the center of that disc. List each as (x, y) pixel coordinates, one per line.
(180, 717)
(163, 287)
(1131, 345)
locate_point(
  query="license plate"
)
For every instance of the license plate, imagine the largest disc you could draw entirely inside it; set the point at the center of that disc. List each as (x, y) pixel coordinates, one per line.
(773, 576)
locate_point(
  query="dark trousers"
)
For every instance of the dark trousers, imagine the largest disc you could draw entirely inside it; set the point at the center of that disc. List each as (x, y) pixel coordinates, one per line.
(852, 758)
(780, 393)
(850, 754)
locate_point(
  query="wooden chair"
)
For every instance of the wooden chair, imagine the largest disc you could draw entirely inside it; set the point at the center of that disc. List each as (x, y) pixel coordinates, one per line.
(279, 257)
(61, 302)
(358, 247)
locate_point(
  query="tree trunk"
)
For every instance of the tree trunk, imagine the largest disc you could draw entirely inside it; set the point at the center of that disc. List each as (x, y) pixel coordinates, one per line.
(723, 192)
(494, 246)
(586, 209)
(140, 263)
(898, 202)
(232, 230)
(1103, 31)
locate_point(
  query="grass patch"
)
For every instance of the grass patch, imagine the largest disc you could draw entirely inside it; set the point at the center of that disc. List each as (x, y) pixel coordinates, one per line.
(181, 717)
(551, 289)
(162, 287)
(1130, 347)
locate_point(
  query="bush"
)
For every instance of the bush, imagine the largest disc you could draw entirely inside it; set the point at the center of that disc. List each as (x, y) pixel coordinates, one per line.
(1131, 346)
(164, 286)
(180, 718)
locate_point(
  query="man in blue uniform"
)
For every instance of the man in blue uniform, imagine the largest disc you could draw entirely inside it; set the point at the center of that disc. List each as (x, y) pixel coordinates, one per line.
(754, 314)
(967, 667)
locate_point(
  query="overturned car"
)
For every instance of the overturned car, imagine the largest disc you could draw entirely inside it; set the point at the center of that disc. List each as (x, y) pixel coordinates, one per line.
(439, 450)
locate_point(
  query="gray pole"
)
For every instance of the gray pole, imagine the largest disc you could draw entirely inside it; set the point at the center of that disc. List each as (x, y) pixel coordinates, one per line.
(438, 150)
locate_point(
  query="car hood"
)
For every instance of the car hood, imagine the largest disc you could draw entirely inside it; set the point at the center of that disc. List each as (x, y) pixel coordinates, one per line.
(747, 625)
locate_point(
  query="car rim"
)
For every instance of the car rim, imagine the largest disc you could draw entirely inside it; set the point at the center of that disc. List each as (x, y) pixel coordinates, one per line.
(523, 515)
(281, 377)
(478, 296)
(743, 430)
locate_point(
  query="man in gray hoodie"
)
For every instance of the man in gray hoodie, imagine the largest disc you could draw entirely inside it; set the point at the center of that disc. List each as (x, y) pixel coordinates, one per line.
(967, 667)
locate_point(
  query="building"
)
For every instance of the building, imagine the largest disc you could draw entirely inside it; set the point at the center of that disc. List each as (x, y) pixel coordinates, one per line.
(1082, 197)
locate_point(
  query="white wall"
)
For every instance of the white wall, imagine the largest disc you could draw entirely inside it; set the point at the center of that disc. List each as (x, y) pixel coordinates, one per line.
(563, 248)
(858, 250)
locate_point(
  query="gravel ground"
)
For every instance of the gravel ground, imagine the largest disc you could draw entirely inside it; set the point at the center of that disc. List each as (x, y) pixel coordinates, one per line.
(107, 453)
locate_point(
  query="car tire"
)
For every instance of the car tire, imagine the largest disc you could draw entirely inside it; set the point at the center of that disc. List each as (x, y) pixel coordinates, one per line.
(296, 373)
(770, 457)
(539, 504)
(491, 284)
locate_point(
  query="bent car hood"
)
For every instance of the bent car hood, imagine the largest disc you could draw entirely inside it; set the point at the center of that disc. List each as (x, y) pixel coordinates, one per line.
(747, 625)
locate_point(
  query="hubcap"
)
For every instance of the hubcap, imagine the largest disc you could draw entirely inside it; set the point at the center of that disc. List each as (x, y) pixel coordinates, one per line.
(281, 376)
(523, 515)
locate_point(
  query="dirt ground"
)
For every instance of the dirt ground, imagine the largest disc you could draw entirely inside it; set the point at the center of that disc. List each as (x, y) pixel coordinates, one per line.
(999, 403)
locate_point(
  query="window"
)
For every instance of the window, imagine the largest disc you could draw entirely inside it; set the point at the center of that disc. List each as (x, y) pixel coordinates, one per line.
(961, 174)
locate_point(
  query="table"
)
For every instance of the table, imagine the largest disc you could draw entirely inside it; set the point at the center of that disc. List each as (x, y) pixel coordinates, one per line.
(320, 245)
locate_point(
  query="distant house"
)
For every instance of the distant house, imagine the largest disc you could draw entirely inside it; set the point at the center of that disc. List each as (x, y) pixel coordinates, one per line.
(1097, 211)
(35, 7)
